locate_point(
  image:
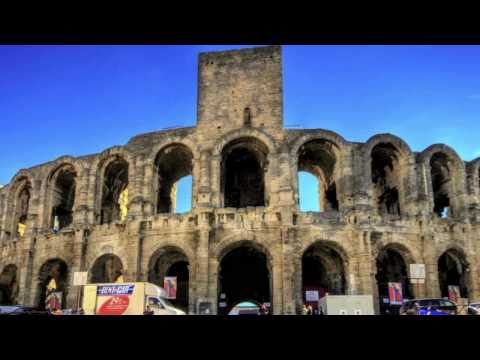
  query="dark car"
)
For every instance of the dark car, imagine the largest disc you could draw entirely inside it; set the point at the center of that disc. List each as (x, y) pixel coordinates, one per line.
(20, 310)
(474, 309)
(442, 305)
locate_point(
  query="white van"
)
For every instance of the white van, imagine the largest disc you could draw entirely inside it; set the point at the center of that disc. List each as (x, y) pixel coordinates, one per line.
(126, 299)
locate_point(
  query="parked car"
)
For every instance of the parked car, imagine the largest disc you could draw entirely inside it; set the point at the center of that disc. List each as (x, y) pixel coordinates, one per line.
(19, 310)
(436, 305)
(473, 309)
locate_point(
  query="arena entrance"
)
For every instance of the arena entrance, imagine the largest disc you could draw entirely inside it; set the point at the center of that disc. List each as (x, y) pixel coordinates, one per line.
(323, 271)
(453, 274)
(8, 285)
(391, 268)
(53, 284)
(171, 262)
(244, 276)
(107, 268)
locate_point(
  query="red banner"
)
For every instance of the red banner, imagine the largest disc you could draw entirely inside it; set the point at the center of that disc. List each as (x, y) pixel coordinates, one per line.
(395, 293)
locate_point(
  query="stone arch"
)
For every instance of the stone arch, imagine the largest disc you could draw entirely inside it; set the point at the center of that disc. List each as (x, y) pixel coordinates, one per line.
(318, 134)
(444, 179)
(320, 153)
(20, 195)
(454, 269)
(324, 268)
(244, 272)
(244, 167)
(389, 173)
(60, 191)
(9, 285)
(392, 262)
(173, 162)
(107, 268)
(53, 269)
(114, 174)
(265, 138)
(170, 260)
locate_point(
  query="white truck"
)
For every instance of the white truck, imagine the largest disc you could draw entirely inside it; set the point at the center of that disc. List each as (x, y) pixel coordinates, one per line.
(347, 305)
(126, 299)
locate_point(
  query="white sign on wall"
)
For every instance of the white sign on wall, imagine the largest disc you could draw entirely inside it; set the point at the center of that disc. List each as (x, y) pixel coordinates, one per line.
(417, 271)
(311, 295)
(80, 278)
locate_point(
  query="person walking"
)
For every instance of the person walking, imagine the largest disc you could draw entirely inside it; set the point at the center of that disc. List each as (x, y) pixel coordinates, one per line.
(148, 311)
(309, 310)
(305, 310)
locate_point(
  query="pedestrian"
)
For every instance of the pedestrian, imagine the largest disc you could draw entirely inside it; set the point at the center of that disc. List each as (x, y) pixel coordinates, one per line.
(305, 310)
(309, 310)
(263, 310)
(148, 311)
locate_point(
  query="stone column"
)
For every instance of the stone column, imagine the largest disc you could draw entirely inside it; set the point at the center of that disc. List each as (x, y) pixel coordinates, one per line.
(277, 280)
(288, 274)
(76, 265)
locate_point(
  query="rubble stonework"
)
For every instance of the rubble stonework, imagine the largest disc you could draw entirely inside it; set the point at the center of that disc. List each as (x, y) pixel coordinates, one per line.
(379, 200)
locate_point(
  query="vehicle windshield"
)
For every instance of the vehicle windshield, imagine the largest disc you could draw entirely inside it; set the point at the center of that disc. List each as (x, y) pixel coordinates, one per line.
(167, 302)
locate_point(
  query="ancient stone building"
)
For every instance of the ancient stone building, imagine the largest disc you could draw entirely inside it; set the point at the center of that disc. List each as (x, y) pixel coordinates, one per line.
(382, 207)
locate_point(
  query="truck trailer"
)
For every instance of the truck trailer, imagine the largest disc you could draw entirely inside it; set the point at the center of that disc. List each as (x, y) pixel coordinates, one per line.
(347, 305)
(126, 299)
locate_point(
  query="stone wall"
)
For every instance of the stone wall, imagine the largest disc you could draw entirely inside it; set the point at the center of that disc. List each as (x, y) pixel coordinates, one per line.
(229, 82)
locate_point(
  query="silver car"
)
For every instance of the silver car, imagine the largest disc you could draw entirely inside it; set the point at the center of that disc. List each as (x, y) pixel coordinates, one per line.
(474, 309)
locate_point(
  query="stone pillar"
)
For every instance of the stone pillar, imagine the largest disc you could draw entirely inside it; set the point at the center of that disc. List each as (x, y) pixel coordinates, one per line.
(432, 284)
(148, 194)
(212, 296)
(76, 265)
(288, 274)
(202, 271)
(277, 280)
(204, 192)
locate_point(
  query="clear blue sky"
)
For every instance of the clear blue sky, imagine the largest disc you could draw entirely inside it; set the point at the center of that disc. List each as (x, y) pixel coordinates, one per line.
(78, 100)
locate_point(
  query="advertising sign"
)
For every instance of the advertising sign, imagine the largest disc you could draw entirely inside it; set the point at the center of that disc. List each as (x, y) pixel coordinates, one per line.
(53, 300)
(417, 271)
(113, 299)
(170, 286)
(454, 293)
(79, 278)
(311, 295)
(395, 293)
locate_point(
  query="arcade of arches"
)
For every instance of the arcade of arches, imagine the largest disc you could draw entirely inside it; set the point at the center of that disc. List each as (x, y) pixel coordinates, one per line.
(244, 166)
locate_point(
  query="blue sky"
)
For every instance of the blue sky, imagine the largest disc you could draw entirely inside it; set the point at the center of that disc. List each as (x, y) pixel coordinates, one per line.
(78, 100)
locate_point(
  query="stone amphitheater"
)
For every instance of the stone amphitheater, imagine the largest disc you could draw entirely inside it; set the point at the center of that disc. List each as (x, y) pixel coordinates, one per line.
(382, 207)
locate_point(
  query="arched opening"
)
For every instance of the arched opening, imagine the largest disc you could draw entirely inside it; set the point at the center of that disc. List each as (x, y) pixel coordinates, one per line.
(323, 271)
(318, 158)
(173, 170)
(386, 178)
(309, 192)
(440, 170)
(391, 268)
(53, 284)
(63, 198)
(173, 263)
(244, 275)
(115, 192)
(107, 268)
(453, 272)
(21, 209)
(9, 285)
(244, 163)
